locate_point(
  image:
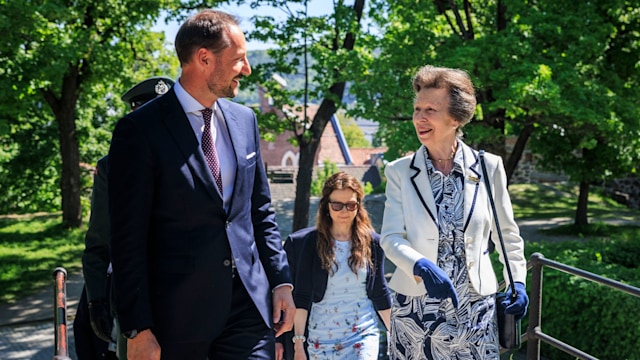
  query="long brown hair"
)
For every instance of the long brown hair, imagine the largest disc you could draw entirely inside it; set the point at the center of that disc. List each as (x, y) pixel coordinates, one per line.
(360, 229)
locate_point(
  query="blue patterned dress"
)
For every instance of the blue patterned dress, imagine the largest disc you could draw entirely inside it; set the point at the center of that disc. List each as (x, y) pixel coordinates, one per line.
(344, 325)
(427, 328)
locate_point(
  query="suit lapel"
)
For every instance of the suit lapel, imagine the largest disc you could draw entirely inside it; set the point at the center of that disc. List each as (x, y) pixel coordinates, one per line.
(472, 180)
(179, 127)
(421, 183)
(237, 136)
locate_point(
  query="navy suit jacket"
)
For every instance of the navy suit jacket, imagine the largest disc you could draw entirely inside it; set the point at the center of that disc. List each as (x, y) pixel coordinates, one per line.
(172, 242)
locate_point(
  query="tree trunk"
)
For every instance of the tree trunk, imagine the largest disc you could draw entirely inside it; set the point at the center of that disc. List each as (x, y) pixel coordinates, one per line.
(307, 162)
(303, 184)
(64, 110)
(582, 219)
(70, 177)
(308, 149)
(516, 154)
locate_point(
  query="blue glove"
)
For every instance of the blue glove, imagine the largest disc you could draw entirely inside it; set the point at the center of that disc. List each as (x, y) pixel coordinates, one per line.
(436, 281)
(519, 306)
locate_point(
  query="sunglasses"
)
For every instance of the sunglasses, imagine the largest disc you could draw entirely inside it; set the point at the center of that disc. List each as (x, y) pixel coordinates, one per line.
(337, 206)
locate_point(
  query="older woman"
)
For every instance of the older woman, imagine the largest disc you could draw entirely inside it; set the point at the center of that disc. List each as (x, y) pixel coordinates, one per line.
(339, 290)
(436, 229)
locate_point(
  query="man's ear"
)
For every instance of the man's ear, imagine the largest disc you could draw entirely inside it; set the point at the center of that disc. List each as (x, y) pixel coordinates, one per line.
(203, 56)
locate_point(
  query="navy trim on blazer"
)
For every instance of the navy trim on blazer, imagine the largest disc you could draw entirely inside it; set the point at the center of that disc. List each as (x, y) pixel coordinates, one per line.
(415, 186)
(475, 194)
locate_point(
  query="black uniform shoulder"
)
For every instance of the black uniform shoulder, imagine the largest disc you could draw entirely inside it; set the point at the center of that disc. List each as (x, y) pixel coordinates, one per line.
(147, 90)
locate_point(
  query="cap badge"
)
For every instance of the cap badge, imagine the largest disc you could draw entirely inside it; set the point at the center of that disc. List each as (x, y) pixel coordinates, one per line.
(161, 87)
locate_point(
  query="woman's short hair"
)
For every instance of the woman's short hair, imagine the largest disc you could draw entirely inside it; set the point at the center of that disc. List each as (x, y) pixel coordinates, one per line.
(462, 96)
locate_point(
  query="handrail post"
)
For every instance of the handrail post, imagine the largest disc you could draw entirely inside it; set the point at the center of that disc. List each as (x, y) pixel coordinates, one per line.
(535, 315)
(60, 314)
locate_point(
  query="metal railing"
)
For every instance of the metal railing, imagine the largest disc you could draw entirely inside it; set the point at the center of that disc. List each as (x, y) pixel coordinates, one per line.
(60, 314)
(534, 332)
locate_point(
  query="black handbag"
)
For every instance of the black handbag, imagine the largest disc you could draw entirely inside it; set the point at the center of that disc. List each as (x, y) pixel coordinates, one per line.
(508, 326)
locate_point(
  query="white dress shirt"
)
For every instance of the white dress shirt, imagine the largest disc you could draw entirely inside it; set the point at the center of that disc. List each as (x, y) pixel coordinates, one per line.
(219, 134)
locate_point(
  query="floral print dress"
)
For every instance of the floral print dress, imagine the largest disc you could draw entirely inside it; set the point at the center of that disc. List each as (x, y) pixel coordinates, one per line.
(344, 324)
(427, 328)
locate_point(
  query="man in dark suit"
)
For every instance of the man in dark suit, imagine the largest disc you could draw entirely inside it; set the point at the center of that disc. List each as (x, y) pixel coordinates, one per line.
(198, 265)
(93, 324)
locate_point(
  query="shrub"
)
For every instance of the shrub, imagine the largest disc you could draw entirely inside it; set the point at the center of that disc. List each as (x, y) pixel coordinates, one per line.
(591, 317)
(323, 174)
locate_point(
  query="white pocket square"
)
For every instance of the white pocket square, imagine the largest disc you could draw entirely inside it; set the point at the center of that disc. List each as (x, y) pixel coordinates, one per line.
(251, 155)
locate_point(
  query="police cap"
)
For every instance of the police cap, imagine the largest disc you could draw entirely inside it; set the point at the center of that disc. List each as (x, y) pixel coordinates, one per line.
(147, 90)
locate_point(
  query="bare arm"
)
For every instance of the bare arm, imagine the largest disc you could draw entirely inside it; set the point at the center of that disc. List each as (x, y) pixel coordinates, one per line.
(385, 315)
(299, 325)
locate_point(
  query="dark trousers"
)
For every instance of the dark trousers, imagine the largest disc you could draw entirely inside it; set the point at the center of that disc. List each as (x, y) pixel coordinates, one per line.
(245, 335)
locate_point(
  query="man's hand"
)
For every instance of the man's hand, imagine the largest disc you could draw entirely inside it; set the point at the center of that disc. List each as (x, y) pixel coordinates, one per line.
(283, 304)
(101, 322)
(143, 347)
(279, 351)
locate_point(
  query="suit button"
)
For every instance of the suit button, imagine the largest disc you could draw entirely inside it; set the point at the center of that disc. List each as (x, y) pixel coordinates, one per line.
(226, 262)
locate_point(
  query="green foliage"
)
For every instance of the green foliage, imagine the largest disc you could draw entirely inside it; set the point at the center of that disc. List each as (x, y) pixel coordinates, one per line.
(64, 69)
(323, 173)
(573, 307)
(367, 188)
(320, 48)
(31, 247)
(30, 171)
(353, 134)
(533, 65)
(380, 189)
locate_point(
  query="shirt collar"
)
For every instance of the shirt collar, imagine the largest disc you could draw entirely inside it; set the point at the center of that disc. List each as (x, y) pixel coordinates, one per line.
(188, 102)
(458, 160)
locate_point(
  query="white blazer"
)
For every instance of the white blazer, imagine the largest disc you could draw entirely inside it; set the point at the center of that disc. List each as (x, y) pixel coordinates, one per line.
(410, 229)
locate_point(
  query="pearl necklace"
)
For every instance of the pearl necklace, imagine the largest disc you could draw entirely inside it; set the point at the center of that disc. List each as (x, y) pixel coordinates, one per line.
(447, 159)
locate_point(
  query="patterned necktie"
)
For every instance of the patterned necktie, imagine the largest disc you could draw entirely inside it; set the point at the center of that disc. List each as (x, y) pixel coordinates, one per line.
(209, 148)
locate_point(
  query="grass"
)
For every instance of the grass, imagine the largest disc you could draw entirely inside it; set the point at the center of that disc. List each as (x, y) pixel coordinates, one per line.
(543, 201)
(598, 229)
(31, 247)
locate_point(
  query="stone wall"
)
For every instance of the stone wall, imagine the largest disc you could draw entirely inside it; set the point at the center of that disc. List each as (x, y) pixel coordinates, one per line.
(625, 191)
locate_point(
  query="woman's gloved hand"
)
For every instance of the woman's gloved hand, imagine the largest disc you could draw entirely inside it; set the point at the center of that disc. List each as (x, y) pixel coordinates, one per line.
(436, 281)
(518, 308)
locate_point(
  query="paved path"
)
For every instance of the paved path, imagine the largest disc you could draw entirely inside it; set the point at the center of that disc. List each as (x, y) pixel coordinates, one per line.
(27, 329)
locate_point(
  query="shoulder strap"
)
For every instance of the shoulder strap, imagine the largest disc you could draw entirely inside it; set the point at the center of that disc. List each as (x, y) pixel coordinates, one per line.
(495, 218)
